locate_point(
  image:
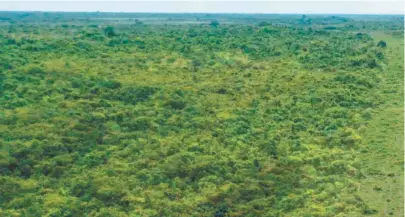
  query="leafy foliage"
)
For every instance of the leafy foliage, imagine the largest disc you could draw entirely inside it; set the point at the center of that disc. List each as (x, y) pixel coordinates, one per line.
(249, 119)
(382, 44)
(109, 31)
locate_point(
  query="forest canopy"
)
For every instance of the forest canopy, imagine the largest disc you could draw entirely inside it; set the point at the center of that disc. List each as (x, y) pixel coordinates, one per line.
(110, 114)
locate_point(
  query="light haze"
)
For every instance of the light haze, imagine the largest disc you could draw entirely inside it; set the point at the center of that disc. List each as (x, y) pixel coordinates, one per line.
(307, 7)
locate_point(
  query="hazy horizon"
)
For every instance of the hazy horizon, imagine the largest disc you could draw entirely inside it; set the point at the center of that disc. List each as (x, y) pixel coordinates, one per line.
(255, 7)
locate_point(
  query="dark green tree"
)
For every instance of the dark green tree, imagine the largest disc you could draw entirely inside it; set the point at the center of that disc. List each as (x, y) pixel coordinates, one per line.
(109, 31)
(382, 44)
(214, 23)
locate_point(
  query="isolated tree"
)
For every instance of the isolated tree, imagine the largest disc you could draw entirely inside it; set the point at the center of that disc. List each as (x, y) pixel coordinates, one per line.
(109, 31)
(382, 44)
(214, 23)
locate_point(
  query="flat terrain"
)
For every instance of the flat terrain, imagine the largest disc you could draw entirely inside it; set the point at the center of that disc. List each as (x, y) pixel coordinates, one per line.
(225, 115)
(383, 158)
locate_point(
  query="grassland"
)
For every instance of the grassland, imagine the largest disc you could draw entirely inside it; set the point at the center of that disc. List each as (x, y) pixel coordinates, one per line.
(383, 157)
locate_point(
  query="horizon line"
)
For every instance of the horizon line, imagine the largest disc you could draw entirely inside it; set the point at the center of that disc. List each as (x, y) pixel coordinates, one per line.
(166, 12)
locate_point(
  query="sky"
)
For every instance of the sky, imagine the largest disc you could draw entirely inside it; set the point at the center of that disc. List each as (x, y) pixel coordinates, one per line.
(208, 6)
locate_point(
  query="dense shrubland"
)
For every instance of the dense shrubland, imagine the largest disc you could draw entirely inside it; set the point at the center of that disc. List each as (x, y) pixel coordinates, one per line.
(185, 120)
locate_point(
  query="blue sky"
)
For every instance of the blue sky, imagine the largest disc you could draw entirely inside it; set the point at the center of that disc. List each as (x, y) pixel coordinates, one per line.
(194, 6)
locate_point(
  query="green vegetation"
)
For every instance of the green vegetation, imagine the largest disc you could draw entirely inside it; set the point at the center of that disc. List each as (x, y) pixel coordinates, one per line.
(382, 187)
(109, 114)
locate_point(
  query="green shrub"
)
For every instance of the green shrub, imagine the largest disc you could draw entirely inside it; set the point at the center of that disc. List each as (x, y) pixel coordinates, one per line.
(109, 31)
(382, 44)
